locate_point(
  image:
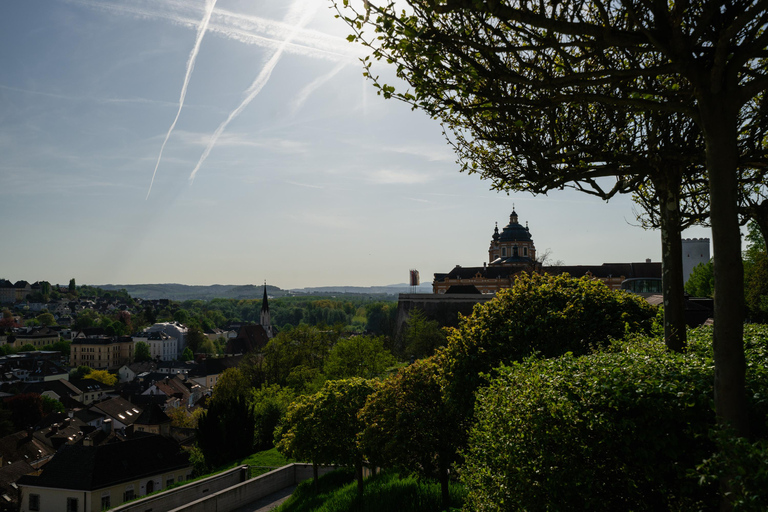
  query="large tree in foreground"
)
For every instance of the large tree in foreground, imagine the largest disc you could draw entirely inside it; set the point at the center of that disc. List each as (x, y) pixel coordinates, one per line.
(486, 68)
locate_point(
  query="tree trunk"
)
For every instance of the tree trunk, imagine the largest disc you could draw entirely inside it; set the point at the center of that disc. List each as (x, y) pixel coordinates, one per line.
(359, 477)
(719, 123)
(672, 286)
(443, 469)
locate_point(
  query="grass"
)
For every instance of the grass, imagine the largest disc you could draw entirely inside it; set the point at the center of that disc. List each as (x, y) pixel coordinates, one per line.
(265, 461)
(384, 492)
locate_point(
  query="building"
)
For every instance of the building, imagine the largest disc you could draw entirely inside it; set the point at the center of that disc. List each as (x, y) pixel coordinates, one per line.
(510, 252)
(695, 251)
(162, 347)
(93, 478)
(38, 338)
(101, 352)
(174, 330)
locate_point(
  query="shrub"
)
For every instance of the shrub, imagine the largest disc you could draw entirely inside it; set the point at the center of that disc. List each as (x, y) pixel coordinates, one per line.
(623, 429)
(543, 315)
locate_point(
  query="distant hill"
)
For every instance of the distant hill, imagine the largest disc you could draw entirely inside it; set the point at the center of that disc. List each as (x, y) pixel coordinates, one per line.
(391, 289)
(181, 292)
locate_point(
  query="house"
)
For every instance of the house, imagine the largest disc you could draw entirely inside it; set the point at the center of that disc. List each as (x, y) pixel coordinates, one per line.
(162, 347)
(178, 391)
(153, 421)
(128, 372)
(101, 352)
(95, 478)
(36, 366)
(122, 412)
(207, 372)
(38, 338)
(9, 491)
(250, 338)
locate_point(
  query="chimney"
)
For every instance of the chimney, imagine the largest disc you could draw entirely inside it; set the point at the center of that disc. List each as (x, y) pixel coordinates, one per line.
(107, 425)
(647, 260)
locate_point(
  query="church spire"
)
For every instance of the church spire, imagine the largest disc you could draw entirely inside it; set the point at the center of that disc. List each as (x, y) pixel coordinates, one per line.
(264, 319)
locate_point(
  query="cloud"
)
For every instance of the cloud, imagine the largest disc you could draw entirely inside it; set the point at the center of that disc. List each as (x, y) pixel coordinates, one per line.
(398, 177)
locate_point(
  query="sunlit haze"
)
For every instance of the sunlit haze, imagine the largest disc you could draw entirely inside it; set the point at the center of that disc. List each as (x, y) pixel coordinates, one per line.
(237, 141)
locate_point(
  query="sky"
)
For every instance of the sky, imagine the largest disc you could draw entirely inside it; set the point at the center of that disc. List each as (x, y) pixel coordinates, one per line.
(237, 141)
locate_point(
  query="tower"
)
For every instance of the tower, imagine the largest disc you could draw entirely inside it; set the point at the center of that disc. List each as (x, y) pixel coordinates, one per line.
(264, 317)
(513, 246)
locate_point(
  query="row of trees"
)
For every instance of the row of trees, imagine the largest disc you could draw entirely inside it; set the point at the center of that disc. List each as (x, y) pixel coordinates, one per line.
(417, 419)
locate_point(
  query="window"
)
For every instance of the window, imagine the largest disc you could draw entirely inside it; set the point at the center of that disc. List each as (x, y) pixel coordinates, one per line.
(169, 482)
(106, 502)
(72, 505)
(128, 495)
(34, 502)
(525, 251)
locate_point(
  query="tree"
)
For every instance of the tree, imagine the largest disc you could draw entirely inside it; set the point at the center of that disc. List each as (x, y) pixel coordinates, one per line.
(409, 425)
(484, 69)
(141, 352)
(541, 315)
(422, 336)
(232, 384)
(324, 427)
(358, 356)
(225, 431)
(701, 282)
(195, 339)
(187, 355)
(756, 275)
(102, 376)
(270, 404)
(26, 410)
(80, 372)
(72, 286)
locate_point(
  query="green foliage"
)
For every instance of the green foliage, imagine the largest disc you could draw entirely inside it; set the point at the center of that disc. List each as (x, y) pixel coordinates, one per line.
(80, 372)
(103, 376)
(749, 486)
(408, 424)
(187, 355)
(270, 404)
(756, 276)
(701, 282)
(46, 319)
(619, 430)
(384, 492)
(540, 315)
(225, 431)
(27, 347)
(62, 346)
(141, 352)
(26, 410)
(323, 428)
(358, 356)
(51, 405)
(422, 336)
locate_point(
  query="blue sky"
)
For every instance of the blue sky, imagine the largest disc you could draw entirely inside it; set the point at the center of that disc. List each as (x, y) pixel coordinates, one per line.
(283, 164)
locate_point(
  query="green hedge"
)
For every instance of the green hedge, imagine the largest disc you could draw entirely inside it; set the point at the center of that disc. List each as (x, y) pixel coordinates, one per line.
(624, 429)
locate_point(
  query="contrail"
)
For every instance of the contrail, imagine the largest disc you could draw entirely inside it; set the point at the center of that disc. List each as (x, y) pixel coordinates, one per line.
(209, 6)
(314, 85)
(258, 84)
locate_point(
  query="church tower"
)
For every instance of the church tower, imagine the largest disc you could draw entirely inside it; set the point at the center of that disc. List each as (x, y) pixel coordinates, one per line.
(264, 318)
(513, 246)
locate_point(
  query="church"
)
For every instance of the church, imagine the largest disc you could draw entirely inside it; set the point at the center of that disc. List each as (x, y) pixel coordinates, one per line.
(512, 251)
